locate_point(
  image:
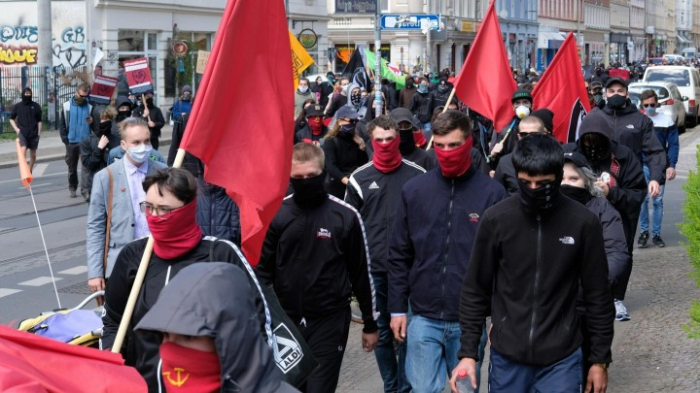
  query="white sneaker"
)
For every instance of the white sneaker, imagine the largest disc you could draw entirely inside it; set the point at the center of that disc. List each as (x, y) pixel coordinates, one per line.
(621, 313)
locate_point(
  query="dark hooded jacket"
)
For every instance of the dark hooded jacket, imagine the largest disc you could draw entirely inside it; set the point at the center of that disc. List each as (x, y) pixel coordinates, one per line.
(614, 237)
(628, 187)
(631, 128)
(422, 106)
(213, 299)
(141, 350)
(406, 95)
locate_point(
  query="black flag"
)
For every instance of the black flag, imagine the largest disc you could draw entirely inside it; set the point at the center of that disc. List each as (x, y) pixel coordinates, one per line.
(355, 70)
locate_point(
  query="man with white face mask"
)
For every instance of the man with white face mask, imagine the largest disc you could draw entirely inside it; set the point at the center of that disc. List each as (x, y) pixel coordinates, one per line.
(114, 217)
(504, 142)
(302, 94)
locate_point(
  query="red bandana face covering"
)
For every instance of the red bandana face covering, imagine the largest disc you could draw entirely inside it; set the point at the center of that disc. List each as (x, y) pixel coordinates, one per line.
(316, 125)
(455, 162)
(387, 156)
(419, 138)
(188, 370)
(176, 235)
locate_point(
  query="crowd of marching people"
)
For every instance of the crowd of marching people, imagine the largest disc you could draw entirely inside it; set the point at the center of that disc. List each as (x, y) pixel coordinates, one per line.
(428, 216)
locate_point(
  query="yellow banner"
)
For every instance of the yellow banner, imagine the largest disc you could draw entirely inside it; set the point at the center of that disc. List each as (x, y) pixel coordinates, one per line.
(300, 58)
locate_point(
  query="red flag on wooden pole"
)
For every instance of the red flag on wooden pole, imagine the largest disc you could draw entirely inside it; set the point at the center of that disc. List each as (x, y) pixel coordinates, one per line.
(486, 82)
(30, 363)
(562, 90)
(241, 126)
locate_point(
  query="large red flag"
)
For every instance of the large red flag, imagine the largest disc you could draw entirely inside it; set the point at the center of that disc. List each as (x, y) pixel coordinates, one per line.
(31, 363)
(242, 121)
(563, 91)
(486, 82)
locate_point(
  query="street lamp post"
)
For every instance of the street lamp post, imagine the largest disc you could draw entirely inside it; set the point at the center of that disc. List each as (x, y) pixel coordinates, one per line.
(377, 62)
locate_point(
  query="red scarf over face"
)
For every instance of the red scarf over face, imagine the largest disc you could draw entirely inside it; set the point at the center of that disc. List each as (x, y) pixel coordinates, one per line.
(419, 138)
(178, 234)
(387, 156)
(455, 162)
(189, 370)
(315, 125)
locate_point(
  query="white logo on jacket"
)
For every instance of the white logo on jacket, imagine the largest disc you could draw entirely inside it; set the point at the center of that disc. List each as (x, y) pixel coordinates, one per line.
(630, 126)
(323, 233)
(374, 186)
(567, 240)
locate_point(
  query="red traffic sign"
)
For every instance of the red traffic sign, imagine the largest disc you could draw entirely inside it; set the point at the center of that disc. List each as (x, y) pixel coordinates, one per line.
(179, 48)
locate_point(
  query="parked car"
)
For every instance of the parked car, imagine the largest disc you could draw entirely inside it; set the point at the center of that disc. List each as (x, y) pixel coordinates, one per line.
(687, 79)
(672, 58)
(670, 100)
(656, 60)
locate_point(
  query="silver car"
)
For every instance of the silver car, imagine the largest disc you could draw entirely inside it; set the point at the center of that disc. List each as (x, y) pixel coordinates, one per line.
(670, 100)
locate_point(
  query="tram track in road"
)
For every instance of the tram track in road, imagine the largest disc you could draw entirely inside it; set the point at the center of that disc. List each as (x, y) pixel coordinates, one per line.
(47, 216)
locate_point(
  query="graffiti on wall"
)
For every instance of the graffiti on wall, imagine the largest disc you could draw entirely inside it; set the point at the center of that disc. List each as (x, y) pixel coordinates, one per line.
(19, 34)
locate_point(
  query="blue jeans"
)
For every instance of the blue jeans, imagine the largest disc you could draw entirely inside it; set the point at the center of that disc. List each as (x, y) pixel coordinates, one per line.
(507, 376)
(390, 354)
(658, 206)
(432, 353)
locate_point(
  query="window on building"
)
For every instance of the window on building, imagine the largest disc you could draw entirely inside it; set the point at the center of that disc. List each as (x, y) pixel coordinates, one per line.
(384, 5)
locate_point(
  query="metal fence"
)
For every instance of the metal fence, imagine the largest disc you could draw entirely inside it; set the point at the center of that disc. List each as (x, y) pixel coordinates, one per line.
(51, 87)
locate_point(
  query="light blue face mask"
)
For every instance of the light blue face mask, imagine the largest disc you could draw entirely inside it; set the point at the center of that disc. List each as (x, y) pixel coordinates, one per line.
(651, 111)
(422, 88)
(139, 153)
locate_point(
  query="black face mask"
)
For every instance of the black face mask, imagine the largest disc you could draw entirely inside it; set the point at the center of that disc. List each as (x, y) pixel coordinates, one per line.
(122, 115)
(355, 99)
(597, 97)
(27, 100)
(407, 144)
(617, 101)
(442, 88)
(580, 195)
(105, 129)
(597, 150)
(149, 101)
(348, 129)
(310, 192)
(541, 198)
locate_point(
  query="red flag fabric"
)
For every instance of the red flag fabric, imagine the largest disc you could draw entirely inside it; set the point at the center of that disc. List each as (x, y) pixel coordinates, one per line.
(31, 363)
(486, 82)
(242, 122)
(562, 90)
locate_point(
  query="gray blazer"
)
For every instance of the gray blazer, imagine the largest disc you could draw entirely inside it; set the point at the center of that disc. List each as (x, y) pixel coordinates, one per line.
(122, 227)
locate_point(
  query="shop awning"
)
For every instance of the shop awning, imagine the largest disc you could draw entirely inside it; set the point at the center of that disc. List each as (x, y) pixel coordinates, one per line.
(550, 39)
(682, 39)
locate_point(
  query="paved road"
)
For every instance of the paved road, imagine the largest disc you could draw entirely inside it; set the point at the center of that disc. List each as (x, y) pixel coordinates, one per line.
(651, 351)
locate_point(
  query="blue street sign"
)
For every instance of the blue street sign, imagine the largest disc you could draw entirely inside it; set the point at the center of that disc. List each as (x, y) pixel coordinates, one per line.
(410, 22)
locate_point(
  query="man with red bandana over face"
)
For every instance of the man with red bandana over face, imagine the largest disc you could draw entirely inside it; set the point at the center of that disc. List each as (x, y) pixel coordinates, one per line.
(314, 130)
(436, 221)
(374, 190)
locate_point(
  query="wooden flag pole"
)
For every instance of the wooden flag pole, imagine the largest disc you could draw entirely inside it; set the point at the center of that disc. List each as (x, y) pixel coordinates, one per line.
(447, 104)
(138, 280)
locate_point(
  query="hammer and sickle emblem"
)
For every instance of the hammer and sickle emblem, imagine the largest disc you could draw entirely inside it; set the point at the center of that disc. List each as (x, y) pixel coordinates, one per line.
(179, 381)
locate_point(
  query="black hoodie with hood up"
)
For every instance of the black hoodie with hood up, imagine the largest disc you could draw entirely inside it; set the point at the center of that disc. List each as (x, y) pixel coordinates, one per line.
(213, 299)
(629, 127)
(629, 186)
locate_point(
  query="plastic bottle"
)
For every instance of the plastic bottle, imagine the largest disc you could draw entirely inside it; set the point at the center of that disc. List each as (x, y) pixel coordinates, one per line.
(464, 383)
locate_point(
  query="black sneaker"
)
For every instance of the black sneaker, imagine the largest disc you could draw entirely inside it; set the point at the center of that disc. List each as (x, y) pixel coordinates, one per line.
(658, 242)
(643, 238)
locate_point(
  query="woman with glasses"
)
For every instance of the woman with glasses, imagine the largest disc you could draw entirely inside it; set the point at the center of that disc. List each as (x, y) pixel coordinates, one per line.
(170, 209)
(345, 151)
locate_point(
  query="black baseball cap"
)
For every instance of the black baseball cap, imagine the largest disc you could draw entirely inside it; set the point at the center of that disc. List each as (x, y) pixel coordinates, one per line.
(521, 94)
(615, 80)
(577, 159)
(401, 114)
(347, 112)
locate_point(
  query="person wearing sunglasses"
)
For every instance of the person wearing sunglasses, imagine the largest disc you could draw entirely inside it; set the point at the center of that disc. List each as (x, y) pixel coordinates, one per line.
(170, 208)
(505, 171)
(667, 133)
(75, 124)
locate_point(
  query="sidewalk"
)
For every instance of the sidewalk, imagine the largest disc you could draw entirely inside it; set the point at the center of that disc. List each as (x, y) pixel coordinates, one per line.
(51, 147)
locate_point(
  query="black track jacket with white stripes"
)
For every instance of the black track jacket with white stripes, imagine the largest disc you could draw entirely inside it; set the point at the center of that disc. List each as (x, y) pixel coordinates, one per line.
(315, 258)
(376, 196)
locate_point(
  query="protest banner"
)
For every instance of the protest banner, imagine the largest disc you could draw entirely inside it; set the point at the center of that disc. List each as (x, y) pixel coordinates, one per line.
(138, 75)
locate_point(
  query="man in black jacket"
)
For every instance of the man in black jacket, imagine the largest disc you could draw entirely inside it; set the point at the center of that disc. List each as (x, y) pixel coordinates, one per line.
(374, 190)
(530, 254)
(315, 256)
(631, 128)
(422, 106)
(154, 116)
(623, 184)
(436, 221)
(25, 119)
